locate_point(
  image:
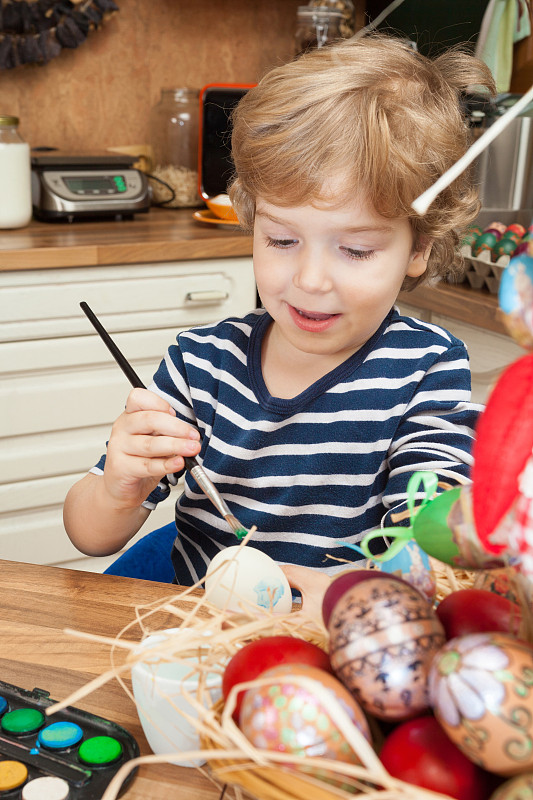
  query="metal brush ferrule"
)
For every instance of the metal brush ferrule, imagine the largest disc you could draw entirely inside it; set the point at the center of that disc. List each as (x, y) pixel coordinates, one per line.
(209, 489)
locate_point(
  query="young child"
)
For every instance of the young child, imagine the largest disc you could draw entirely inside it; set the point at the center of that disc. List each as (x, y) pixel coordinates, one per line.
(311, 414)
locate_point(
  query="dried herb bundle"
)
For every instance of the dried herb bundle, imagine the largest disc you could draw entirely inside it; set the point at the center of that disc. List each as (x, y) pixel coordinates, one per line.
(35, 31)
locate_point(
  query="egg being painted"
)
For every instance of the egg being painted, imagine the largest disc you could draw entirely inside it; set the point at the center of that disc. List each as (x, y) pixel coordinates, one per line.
(290, 718)
(240, 577)
(383, 637)
(481, 690)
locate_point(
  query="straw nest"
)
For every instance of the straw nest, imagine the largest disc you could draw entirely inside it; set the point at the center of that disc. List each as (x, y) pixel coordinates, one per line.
(238, 768)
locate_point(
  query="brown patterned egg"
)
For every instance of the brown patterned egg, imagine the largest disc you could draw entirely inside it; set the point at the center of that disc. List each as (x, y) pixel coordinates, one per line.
(383, 637)
(481, 690)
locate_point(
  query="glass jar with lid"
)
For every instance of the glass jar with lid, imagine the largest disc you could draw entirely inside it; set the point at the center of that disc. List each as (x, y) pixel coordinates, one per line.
(316, 27)
(15, 175)
(347, 9)
(174, 142)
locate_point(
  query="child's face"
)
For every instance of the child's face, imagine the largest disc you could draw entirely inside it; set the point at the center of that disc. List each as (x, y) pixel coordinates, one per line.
(327, 275)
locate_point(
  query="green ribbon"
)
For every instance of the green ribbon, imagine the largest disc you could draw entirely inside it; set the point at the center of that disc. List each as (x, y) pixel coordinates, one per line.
(402, 534)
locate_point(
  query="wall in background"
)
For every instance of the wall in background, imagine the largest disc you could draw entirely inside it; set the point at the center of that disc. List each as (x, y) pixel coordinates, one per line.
(100, 94)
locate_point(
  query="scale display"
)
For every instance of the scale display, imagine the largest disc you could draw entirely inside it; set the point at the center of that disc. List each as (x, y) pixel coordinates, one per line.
(96, 185)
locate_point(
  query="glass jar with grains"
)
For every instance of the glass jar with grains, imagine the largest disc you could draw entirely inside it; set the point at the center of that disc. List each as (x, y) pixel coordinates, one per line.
(174, 140)
(316, 27)
(347, 9)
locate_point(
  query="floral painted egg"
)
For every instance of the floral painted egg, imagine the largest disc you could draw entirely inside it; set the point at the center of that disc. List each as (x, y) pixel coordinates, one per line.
(481, 690)
(519, 788)
(291, 718)
(383, 637)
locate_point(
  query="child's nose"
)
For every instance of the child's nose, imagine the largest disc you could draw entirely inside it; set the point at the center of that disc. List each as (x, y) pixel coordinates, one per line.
(312, 273)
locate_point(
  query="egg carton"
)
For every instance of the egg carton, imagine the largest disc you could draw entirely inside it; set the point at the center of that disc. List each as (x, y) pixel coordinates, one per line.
(480, 271)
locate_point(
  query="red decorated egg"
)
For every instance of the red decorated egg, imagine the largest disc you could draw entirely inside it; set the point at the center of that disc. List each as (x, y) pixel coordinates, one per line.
(481, 689)
(383, 637)
(292, 718)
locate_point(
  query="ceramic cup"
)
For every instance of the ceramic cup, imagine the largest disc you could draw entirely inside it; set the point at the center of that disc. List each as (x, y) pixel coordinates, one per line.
(158, 688)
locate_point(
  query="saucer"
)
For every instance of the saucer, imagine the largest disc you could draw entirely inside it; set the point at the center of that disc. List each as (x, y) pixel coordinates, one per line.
(205, 215)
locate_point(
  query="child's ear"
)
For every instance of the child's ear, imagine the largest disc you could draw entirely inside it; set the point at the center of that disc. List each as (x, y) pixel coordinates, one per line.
(419, 261)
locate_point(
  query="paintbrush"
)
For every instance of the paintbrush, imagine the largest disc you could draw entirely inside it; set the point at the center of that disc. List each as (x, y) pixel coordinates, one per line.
(198, 473)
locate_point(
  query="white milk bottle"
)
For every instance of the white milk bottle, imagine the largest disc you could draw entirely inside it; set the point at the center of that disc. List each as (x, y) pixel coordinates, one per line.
(15, 175)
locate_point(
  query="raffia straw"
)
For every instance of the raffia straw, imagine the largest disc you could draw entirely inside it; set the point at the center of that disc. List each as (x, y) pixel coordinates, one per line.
(231, 757)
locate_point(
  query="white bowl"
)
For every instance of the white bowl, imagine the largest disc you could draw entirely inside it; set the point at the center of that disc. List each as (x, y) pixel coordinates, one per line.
(158, 688)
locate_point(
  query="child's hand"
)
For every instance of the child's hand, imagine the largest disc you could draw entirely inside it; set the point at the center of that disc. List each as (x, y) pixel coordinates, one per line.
(147, 441)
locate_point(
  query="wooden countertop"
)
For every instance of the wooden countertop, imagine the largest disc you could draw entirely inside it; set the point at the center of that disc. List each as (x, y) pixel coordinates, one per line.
(159, 235)
(461, 302)
(37, 604)
(174, 235)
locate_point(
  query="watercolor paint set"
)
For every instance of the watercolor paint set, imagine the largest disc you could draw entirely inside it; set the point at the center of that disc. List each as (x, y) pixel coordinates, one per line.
(70, 755)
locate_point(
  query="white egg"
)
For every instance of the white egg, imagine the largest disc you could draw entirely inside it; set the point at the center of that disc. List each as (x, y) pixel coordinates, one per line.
(239, 576)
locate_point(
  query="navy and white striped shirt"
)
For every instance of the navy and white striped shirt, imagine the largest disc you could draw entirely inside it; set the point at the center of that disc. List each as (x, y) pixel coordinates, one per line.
(322, 466)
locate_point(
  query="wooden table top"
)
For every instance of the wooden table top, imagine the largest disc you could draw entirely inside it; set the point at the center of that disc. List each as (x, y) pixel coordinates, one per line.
(36, 604)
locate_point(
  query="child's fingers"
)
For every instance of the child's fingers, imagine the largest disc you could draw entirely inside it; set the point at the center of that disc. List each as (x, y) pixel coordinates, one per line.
(156, 423)
(144, 400)
(166, 447)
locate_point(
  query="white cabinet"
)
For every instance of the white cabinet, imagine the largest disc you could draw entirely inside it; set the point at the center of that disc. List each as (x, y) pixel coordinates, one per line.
(60, 389)
(489, 352)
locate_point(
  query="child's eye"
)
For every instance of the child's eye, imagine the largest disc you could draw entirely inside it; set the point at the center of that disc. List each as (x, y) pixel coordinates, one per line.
(357, 255)
(282, 244)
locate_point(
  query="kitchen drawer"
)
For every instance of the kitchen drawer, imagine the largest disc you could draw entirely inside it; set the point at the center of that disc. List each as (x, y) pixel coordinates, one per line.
(37, 304)
(60, 389)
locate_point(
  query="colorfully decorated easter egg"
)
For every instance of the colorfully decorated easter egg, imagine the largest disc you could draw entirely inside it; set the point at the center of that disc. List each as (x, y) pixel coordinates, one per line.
(505, 247)
(289, 717)
(239, 578)
(383, 637)
(516, 228)
(516, 298)
(481, 690)
(341, 583)
(486, 241)
(444, 528)
(411, 564)
(519, 788)
(499, 581)
(470, 236)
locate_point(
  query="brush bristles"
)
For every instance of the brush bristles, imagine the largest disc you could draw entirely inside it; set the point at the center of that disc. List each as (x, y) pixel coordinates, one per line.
(239, 531)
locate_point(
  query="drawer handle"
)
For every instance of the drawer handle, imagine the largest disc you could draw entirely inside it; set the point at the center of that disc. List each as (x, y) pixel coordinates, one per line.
(206, 297)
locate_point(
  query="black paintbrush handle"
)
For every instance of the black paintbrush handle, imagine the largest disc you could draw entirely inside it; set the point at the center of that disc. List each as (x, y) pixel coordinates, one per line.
(119, 357)
(123, 363)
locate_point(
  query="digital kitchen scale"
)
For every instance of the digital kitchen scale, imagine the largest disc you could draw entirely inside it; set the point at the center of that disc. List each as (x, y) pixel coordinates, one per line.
(71, 186)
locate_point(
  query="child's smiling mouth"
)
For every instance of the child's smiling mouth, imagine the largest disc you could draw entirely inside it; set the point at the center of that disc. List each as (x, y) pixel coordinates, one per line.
(311, 320)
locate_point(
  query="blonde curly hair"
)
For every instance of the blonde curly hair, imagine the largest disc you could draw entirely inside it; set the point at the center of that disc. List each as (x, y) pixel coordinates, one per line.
(385, 117)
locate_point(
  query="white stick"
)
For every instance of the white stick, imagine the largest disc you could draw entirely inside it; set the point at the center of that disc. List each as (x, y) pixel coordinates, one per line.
(379, 19)
(423, 202)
